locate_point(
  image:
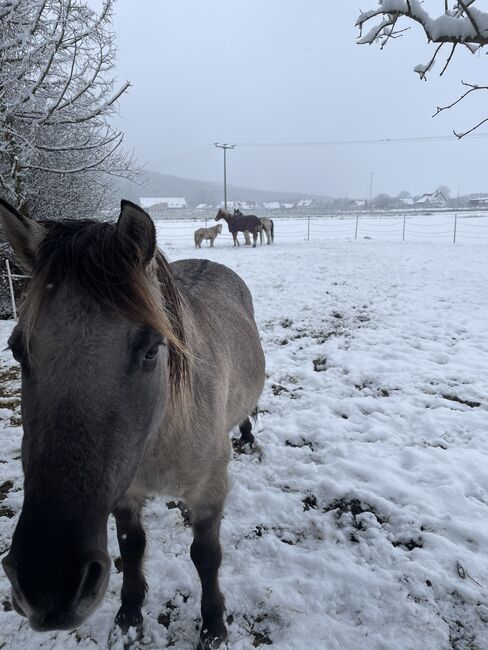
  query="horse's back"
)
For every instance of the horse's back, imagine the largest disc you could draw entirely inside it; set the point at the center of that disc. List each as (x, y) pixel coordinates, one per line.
(224, 337)
(204, 281)
(244, 222)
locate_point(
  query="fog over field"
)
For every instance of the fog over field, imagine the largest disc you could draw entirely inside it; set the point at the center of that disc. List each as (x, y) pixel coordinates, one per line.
(283, 72)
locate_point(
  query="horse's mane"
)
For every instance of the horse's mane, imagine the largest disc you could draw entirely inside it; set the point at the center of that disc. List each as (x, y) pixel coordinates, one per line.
(91, 256)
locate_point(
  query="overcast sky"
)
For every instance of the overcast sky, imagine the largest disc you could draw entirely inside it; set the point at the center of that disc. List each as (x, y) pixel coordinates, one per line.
(254, 71)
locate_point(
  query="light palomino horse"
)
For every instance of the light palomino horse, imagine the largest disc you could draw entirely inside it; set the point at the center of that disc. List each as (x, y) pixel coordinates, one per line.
(268, 228)
(130, 386)
(206, 233)
(241, 223)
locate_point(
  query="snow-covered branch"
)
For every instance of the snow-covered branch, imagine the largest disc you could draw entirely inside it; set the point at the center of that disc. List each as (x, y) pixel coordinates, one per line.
(461, 24)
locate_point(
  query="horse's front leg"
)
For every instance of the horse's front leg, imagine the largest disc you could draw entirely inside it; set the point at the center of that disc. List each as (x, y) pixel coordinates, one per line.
(236, 241)
(254, 238)
(132, 544)
(207, 556)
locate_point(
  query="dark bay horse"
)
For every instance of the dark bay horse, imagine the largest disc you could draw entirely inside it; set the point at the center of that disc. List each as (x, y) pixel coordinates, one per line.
(241, 223)
(131, 383)
(267, 226)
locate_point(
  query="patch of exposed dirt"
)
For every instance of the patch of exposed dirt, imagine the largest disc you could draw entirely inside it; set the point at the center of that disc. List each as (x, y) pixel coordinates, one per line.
(466, 402)
(5, 511)
(320, 364)
(261, 637)
(301, 443)
(355, 507)
(185, 512)
(408, 544)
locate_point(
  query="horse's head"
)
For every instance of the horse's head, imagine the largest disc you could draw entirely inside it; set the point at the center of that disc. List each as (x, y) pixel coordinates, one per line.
(222, 214)
(97, 350)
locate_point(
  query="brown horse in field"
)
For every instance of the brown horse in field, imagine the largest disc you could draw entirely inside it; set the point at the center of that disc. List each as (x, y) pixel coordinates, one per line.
(268, 227)
(240, 223)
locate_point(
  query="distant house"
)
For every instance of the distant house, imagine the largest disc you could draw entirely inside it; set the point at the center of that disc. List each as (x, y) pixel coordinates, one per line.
(271, 205)
(478, 202)
(240, 205)
(288, 206)
(231, 205)
(204, 206)
(359, 204)
(307, 203)
(158, 206)
(432, 200)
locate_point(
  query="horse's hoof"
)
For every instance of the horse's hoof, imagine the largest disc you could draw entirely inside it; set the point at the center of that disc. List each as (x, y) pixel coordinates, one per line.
(212, 641)
(126, 638)
(129, 618)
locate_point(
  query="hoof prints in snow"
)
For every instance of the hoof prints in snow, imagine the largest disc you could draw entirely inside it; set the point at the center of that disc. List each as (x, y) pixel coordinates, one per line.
(348, 517)
(5, 511)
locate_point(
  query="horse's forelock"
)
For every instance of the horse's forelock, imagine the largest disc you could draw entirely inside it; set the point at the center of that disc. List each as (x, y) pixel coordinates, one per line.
(92, 258)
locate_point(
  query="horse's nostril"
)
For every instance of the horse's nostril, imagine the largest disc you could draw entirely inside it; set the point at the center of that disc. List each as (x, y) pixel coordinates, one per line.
(92, 578)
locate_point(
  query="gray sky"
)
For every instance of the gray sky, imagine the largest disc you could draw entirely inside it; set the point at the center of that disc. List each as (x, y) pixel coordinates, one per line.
(251, 71)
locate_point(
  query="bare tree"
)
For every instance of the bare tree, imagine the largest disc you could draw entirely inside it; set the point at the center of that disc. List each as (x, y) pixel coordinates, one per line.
(57, 95)
(461, 24)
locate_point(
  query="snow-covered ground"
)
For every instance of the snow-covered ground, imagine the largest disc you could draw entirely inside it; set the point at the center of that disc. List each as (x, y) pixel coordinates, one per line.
(439, 227)
(360, 521)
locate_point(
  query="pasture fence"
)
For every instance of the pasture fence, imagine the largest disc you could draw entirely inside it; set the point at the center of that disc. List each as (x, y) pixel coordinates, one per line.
(440, 227)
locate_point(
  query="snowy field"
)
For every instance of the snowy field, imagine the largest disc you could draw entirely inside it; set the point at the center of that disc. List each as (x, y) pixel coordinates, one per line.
(360, 521)
(439, 227)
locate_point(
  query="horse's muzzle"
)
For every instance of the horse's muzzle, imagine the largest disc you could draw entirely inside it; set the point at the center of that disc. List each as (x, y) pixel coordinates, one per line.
(60, 609)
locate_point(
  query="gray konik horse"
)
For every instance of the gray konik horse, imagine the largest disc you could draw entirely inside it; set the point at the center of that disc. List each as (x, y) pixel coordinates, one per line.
(206, 233)
(131, 383)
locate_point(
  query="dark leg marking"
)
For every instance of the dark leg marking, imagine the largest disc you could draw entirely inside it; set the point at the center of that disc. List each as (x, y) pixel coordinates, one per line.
(247, 437)
(132, 543)
(207, 555)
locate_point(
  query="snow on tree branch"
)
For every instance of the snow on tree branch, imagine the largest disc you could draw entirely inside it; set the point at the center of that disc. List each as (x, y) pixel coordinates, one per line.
(461, 24)
(57, 95)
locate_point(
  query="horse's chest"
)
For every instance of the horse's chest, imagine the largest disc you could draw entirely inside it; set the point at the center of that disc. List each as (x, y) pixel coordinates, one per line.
(160, 473)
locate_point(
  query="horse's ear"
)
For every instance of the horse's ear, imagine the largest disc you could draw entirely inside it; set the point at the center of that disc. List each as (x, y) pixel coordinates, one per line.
(24, 234)
(137, 228)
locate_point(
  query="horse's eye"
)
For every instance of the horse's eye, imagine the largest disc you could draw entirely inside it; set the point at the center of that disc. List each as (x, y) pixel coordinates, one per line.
(152, 352)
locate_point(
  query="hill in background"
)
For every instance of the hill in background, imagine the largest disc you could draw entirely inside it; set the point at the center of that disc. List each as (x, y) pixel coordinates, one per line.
(197, 192)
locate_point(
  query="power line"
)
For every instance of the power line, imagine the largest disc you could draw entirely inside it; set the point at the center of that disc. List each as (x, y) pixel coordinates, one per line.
(191, 154)
(184, 155)
(333, 143)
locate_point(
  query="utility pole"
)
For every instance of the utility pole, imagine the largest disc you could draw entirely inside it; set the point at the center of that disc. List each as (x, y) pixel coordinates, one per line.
(225, 146)
(370, 190)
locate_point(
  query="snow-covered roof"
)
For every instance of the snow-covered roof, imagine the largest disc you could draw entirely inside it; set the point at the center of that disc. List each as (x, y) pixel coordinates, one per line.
(271, 205)
(305, 203)
(243, 205)
(432, 197)
(169, 202)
